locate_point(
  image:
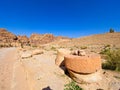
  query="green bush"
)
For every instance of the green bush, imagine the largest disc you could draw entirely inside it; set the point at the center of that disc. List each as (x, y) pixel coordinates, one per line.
(83, 47)
(105, 50)
(113, 59)
(53, 48)
(71, 49)
(112, 30)
(72, 86)
(1, 45)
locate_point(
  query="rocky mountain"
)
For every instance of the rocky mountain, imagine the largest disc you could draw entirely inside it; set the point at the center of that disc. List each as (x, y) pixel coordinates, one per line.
(34, 40)
(98, 40)
(23, 40)
(7, 38)
(37, 39)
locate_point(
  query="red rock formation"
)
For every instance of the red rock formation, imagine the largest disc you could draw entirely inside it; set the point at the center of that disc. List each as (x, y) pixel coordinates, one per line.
(37, 39)
(6, 38)
(23, 40)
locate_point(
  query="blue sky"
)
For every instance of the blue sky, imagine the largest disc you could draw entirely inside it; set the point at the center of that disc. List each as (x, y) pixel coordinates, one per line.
(72, 18)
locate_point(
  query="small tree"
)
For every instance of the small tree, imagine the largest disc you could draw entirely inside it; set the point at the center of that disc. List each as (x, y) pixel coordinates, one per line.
(111, 30)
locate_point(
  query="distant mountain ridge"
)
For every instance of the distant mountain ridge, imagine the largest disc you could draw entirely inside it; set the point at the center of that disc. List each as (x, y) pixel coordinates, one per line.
(9, 39)
(34, 40)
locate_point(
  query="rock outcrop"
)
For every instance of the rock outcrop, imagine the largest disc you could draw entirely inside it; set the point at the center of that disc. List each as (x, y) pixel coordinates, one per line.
(7, 38)
(26, 55)
(37, 52)
(60, 56)
(37, 39)
(86, 78)
(24, 40)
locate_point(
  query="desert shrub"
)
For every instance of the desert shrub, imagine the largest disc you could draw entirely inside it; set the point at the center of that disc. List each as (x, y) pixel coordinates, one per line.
(72, 86)
(53, 48)
(111, 30)
(71, 49)
(105, 50)
(76, 46)
(112, 59)
(83, 47)
(34, 46)
(1, 45)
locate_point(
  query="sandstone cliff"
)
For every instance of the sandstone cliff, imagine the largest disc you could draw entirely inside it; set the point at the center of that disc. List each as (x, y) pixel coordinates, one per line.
(7, 38)
(37, 39)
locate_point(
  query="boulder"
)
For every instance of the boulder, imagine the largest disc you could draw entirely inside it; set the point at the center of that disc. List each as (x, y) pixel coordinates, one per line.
(60, 56)
(83, 64)
(36, 52)
(86, 78)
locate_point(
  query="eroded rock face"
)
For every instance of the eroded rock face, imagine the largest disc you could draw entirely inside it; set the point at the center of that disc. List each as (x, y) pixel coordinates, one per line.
(23, 40)
(36, 39)
(26, 55)
(60, 56)
(37, 52)
(83, 64)
(86, 79)
(6, 38)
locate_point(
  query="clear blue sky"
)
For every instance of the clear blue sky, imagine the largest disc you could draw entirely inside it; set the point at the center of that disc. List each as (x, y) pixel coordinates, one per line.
(72, 18)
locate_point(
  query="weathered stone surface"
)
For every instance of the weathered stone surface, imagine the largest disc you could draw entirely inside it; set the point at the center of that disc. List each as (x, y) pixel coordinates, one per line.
(83, 64)
(26, 55)
(60, 56)
(6, 38)
(24, 40)
(36, 39)
(86, 78)
(36, 52)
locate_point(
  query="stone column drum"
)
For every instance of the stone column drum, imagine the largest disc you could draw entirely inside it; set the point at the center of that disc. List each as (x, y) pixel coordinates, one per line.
(83, 64)
(84, 69)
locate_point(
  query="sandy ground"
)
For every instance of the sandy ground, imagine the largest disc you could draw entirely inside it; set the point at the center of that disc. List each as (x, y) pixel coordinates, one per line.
(36, 73)
(12, 75)
(39, 72)
(43, 74)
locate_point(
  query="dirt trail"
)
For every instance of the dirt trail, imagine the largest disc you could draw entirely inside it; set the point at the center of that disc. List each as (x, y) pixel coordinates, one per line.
(36, 73)
(43, 74)
(12, 74)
